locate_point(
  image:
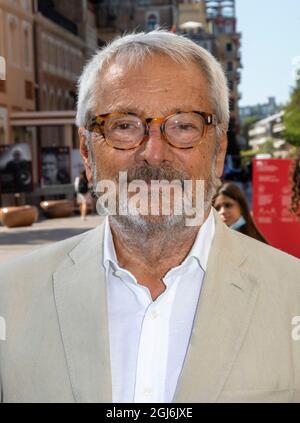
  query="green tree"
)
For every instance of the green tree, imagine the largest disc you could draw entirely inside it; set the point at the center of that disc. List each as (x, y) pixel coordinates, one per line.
(291, 117)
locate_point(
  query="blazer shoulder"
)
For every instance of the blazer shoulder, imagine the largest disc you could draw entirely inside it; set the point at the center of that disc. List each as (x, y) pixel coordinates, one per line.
(269, 253)
(270, 264)
(39, 264)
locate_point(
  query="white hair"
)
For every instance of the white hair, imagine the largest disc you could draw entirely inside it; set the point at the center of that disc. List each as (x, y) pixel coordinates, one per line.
(137, 47)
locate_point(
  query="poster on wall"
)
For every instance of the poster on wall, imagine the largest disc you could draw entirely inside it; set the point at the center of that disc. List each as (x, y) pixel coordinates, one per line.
(272, 193)
(55, 166)
(15, 168)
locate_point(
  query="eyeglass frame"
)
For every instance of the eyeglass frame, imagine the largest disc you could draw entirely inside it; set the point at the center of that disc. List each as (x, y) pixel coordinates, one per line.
(208, 118)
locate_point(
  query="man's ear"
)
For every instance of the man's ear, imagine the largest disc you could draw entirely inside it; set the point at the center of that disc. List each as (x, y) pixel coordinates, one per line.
(220, 158)
(85, 154)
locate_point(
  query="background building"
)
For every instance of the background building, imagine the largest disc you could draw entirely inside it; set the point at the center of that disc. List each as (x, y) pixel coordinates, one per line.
(212, 25)
(60, 52)
(17, 91)
(260, 111)
(267, 135)
(114, 17)
(47, 42)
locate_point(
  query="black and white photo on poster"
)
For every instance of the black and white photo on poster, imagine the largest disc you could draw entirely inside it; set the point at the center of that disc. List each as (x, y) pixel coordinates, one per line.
(15, 168)
(55, 166)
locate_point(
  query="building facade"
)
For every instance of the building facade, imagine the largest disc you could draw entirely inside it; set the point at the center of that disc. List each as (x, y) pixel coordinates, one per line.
(212, 25)
(44, 44)
(114, 17)
(17, 88)
(260, 111)
(269, 129)
(60, 53)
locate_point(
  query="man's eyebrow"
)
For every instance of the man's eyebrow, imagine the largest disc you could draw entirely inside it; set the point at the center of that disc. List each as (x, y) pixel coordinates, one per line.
(140, 112)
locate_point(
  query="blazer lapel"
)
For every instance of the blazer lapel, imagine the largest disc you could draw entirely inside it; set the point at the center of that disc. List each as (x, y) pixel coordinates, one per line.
(80, 295)
(223, 314)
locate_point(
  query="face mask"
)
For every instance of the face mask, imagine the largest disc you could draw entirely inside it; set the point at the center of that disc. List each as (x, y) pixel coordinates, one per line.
(238, 223)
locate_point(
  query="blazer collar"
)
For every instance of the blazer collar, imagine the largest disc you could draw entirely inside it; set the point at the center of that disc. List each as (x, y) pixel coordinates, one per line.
(223, 315)
(80, 295)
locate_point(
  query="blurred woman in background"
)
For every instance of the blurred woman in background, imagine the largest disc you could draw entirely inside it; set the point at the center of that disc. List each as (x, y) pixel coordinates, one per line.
(232, 206)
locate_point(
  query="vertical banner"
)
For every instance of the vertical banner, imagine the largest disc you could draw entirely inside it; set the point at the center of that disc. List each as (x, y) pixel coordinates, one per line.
(15, 168)
(272, 193)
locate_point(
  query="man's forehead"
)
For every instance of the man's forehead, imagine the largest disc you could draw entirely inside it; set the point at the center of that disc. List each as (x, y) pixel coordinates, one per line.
(158, 84)
(152, 68)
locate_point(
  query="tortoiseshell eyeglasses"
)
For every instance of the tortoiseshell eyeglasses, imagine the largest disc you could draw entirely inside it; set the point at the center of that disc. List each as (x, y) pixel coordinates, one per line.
(125, 131)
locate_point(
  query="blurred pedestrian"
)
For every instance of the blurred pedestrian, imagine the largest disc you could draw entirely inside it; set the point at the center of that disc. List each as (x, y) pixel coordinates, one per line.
(83, 196)
(231, 204)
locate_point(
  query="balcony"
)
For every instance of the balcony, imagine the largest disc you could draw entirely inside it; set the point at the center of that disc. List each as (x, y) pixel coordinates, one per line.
(47, 10)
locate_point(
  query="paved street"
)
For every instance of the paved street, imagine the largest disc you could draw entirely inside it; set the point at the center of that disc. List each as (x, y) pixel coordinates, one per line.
(18, 241)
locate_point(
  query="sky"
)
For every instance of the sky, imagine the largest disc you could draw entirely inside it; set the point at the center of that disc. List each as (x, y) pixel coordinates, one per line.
(269, 44)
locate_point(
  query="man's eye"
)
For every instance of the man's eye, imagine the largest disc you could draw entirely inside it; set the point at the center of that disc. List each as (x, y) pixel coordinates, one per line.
(123, 126)
(185, 126)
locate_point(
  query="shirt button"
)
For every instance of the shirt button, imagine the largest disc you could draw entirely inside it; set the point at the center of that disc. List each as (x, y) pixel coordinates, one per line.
(153, 314)
(147, 392)
(118, 273)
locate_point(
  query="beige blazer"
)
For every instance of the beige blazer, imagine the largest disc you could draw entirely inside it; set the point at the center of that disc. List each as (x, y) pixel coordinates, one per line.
(241, 349)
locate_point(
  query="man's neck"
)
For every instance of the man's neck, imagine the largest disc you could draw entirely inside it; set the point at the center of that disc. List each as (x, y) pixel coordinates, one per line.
(150, 256)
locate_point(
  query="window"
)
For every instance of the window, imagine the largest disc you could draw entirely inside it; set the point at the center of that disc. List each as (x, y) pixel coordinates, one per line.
(29, 91)
(1, 34)
(45, 105)
(52, 100)
(51, 52)
(27, 45)
(228, 27)
(152, 20)
(13, 40)
(66, 101)
(2, 68)
(2, 86)
(59, 100)
(230, 85)
(229, 66)
(27, 5)
(45, 47)
(3, 125)
(228, 46)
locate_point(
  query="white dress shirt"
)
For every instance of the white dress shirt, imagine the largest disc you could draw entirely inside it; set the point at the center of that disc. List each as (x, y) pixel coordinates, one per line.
(149, 339)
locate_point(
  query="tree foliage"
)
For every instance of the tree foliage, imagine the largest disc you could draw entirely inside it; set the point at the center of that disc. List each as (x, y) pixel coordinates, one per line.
(292, 117)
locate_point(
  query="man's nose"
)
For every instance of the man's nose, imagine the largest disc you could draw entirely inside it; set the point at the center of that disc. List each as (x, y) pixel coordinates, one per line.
(155, 150)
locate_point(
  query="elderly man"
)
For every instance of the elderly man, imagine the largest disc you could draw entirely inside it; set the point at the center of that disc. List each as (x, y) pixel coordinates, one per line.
(146, 308)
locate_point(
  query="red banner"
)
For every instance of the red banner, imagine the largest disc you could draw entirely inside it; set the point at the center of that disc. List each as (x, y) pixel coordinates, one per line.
(272, 193)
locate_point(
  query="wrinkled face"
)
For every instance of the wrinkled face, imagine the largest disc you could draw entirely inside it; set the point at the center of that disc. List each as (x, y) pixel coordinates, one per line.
(17, 156)
(156, 88)
(228, 209)
(49, 167)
